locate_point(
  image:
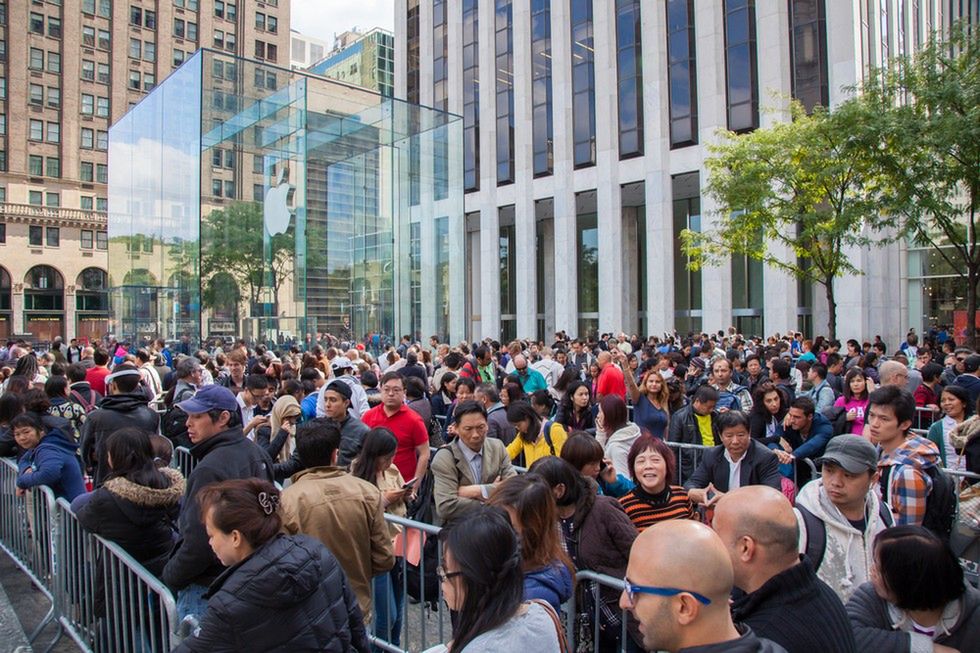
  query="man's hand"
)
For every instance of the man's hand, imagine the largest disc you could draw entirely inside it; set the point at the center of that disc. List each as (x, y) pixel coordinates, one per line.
(706, 497)
(784, 457)
(257, 421)
(393, 496)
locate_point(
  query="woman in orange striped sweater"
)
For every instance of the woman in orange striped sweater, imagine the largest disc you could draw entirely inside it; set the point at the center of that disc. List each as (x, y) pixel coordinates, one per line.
(652, 466)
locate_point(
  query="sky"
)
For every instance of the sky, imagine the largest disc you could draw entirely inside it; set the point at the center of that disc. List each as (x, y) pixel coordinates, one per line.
(323, 18)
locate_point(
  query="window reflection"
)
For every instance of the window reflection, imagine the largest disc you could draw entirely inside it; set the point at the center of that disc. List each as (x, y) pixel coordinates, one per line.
(681, 73)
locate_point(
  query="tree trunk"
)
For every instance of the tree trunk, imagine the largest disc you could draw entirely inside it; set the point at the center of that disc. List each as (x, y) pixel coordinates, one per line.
(973, 275)
(828, 285)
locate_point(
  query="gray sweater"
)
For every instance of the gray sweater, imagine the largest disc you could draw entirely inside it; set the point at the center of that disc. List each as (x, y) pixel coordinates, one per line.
(884, 628)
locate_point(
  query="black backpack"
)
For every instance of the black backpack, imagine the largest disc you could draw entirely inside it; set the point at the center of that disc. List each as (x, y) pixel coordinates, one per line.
(941, 502)
(173, 424)
(816, 532)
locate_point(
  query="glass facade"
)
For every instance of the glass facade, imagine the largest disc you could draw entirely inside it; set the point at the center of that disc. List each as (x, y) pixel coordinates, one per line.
(440, 90)
(508, 278)
(471, 95)
(542, 128)
(808, 52)
(302, 233)
(583, 84)
(413, 89)
(504, 43)
(682, 73)
(686, 195)
(587, 227)
(741, 67)
(629, 66)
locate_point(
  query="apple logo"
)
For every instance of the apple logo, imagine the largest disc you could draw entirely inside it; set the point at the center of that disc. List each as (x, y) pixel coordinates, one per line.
(275, 208)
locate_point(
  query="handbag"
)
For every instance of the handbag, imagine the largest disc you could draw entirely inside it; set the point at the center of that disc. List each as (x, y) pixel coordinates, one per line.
(968, 516)
(559, 629)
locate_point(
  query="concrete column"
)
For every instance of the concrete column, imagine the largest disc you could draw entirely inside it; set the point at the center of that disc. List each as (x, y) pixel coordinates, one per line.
(565, 230)
(17, 308)
(612, 286)
(525, 222)
(716, 281)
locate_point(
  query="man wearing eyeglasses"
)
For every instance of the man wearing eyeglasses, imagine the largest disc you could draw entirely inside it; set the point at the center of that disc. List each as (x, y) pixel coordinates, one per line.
(679, 594)
(412, 454)
(783, 599)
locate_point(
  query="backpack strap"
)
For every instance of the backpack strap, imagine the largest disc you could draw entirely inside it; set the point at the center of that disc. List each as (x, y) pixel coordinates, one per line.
(547, 435)
(885, 514)
(816, 536)
(86, 404)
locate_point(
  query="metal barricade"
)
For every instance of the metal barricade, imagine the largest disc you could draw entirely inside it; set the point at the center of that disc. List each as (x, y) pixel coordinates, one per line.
(571, 610)
(964, 476)
(107, 601)
(924, 417)
(422, 620)
(183, 461)
(691, 452)
(26, 532)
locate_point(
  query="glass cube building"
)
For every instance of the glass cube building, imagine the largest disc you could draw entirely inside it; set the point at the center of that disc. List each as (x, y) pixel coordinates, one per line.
(247, 200)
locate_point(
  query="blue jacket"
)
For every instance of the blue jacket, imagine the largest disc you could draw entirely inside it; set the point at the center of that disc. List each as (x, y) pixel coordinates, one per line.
(552, 584)
(821, 431)
(53, 462)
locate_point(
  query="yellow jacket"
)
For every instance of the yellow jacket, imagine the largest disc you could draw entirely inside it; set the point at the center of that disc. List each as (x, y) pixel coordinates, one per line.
(540, 448)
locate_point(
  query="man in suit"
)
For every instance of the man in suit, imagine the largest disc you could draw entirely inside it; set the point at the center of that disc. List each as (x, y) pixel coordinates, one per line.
(466, 471)
(737, 462)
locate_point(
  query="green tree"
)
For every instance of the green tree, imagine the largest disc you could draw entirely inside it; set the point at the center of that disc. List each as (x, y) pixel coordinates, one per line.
(803, 186)
(923, 133)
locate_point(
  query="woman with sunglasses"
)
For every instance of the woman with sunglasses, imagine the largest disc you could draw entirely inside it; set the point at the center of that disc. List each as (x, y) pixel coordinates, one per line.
(483, 583)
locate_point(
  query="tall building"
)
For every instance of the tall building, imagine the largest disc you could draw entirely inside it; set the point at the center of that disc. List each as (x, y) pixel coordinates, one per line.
(305, 50)
(68, 70)
(586, 129)
(366, 60)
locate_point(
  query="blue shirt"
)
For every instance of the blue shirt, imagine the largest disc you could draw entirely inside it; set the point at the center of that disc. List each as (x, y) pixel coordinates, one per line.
(650, 418)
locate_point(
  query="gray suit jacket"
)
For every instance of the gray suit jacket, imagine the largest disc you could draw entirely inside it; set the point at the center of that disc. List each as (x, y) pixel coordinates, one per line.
(451, 471)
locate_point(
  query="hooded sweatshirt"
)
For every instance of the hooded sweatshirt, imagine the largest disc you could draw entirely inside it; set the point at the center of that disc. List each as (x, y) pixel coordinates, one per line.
(617, 445)
(53, 462)
(848, 554)
(552, 584)
(908, 483)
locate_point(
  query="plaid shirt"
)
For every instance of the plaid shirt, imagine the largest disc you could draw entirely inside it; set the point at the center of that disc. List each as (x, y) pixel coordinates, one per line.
(904, 483)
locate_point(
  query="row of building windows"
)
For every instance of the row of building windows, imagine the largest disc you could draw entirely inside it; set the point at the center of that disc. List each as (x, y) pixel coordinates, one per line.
(808, 73)
(139, 17)
(38, 236)
(35, 61)
(36, 22)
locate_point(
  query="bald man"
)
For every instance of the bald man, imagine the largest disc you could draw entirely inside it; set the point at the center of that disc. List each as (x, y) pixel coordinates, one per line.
(893, 373)
(611, 380)
(679, 594)
(784, 600)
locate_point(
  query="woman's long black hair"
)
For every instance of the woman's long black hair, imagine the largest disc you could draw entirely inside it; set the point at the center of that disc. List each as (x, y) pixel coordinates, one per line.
(485, 548)
(131, 452)
(521, 410)
(378, 443)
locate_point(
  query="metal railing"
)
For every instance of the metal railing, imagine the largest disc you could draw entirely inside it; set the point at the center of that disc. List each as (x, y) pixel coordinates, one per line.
(26, 534)
(571, 612)
(183, 461)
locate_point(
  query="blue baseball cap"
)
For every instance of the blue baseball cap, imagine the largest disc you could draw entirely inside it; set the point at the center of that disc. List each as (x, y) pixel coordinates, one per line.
(210, 397)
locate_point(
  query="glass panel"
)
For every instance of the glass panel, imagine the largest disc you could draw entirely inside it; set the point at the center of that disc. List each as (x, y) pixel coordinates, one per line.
(686, 194)
(588, 263)
(681, 73)
(629, 59)
(583, 83)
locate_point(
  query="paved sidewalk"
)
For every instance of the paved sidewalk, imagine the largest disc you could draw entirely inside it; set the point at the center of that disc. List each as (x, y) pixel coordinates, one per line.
(30, 606)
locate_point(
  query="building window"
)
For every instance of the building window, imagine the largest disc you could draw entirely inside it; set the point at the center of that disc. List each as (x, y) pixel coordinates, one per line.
(3, 124)
(102, 173)
(505, 91)
(54, 62)
(88, 36)
(272, 25)
(191, 31)
(88, 70)
(54, 132)
(87, 203)
(149, 81)
(53, 234)
(507, 252)
(471, 87)
(36, 92)
(136, 16)
(102, 107)
(583, 84)
(36, 130)
(35, 234)
(630, 82)
(35, 59)
(52, 166)
(587, 240)
(682, 73)
(259, 20)
(134, 80)
(101, 238)
(54, 27)
(808, 52)
(88, 138)
(86, 170)
(35, 23)
(3, 88)
(219, 39)
(150, 19)
(102, 142)
(180, 28)
(179, 56)
(86, 237)
(88, 104)
(741, 68)
(686, 196)
(3, 232)
(542, 132)
(35, 165)
(103, 76)
(105, 40)
(54, 97)
(149, 51)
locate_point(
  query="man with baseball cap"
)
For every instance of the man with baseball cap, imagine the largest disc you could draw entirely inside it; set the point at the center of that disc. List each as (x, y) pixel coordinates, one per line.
(337, 397)
(343, 371)
(840, 514)
(222, 452)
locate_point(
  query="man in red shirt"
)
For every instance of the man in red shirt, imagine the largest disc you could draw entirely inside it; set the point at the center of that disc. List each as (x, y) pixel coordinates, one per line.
(611, 380)
(412, 454)
(95, 376)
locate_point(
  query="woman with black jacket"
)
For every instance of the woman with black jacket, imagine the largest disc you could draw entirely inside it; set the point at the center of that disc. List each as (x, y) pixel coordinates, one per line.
(769, 407)
(137, 507)
(279, 592)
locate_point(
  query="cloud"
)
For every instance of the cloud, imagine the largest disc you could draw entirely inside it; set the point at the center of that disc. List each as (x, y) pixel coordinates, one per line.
(323, 18)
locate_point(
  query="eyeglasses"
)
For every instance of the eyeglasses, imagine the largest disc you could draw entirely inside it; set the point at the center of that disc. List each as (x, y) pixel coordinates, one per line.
(632, 590)
(446, 575)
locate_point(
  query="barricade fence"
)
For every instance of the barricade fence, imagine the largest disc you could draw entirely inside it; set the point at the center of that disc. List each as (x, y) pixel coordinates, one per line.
(183, 461)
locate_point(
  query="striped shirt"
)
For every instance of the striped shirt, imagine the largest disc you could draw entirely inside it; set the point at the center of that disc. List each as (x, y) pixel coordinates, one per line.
(645, 510)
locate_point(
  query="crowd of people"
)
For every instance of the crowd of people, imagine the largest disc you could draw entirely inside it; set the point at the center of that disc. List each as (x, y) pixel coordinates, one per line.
(756, 494)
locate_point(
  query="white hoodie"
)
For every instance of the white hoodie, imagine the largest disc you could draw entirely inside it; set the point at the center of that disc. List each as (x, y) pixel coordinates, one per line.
(848, 555)
(617, 446)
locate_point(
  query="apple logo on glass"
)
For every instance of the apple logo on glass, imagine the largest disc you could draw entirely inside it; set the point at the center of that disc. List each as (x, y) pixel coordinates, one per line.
(275, 209)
